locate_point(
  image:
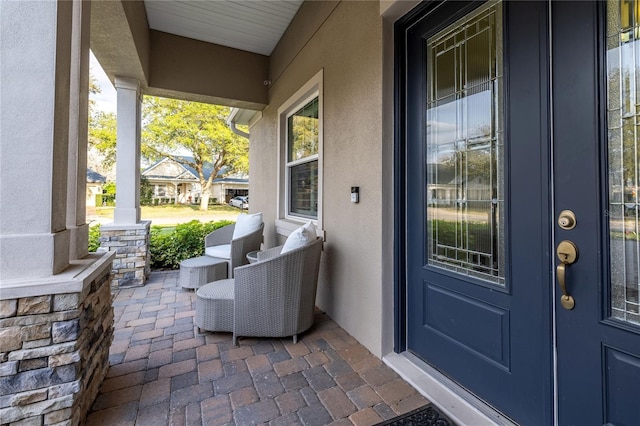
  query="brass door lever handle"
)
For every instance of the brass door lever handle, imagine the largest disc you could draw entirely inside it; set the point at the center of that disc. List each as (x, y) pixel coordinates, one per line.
(568, 254)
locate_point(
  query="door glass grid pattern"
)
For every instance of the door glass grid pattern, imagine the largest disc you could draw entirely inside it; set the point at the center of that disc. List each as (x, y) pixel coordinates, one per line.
(623, 76)
(464, 147)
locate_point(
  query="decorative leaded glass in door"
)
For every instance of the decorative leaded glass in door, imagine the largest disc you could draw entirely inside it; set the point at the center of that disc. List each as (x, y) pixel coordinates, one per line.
(464, 147)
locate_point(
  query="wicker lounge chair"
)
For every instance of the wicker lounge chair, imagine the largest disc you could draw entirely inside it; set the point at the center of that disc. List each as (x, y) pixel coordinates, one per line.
(220, 244)
(274, 297)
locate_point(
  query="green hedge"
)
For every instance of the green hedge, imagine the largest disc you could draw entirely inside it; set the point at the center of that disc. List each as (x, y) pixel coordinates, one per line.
(170, 246)
(94, 237)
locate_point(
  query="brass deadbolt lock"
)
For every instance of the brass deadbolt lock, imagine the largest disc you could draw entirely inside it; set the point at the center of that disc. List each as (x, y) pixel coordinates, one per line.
(567, 220)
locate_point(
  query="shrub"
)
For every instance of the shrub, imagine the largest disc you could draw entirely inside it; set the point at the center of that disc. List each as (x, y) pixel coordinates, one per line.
(94, 237)
(170, 247)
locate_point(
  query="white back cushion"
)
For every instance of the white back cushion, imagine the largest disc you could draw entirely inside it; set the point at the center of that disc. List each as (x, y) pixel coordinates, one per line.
(300, 237)
(246, 224)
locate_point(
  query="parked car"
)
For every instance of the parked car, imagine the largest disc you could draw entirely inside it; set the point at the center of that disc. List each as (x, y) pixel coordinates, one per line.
(239, 202)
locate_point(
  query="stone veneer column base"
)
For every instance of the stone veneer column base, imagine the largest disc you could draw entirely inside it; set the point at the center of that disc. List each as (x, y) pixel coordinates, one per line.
(55, 335)
(132, 264)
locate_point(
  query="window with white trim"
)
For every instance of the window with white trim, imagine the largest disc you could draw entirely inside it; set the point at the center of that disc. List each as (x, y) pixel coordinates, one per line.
(300, 136)
(303, 128)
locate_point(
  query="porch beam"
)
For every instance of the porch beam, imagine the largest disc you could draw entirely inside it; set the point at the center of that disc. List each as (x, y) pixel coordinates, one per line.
(194, 70)
(120, 38)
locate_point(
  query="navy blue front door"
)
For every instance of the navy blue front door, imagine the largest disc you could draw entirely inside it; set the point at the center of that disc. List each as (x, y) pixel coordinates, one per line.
(507, 120)
(596, 140)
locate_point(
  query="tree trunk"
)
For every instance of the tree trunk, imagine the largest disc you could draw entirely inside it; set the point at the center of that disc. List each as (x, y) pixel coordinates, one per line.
(204, 200)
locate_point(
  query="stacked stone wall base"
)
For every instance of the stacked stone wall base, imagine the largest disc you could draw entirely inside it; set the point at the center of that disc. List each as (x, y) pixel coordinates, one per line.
(132, 264)
(54, 348)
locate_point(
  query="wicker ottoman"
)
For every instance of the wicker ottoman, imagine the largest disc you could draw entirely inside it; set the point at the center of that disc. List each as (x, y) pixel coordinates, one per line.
(214, 306)
(197, 271)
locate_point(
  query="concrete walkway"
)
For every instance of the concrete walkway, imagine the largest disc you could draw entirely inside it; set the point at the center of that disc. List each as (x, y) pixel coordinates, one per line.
(163, 372)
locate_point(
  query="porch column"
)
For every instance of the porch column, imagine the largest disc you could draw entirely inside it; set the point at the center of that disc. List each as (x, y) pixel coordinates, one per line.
(35, 73)
(55, 312)
(78, 129)
(127, 236)
(127, 211)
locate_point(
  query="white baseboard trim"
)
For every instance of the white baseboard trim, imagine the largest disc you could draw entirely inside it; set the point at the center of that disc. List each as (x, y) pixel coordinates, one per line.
(455, 402)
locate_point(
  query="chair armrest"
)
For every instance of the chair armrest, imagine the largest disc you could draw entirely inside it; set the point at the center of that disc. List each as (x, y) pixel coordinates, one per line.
(245, 244)
(220, 236)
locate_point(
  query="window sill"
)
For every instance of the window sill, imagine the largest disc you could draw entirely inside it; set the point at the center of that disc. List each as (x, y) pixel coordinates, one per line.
(285, 227)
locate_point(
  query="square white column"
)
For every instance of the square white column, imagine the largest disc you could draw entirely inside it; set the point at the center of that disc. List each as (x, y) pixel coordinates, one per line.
(127, 211)
(34, 134)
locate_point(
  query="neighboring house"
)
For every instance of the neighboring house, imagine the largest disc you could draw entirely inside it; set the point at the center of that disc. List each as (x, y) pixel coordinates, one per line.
(94, 186)
(358, 97)
(228, 187)
(174, 182)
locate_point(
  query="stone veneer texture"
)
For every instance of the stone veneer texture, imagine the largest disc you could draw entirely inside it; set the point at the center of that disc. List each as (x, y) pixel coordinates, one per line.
(54, 354)
(132, 264)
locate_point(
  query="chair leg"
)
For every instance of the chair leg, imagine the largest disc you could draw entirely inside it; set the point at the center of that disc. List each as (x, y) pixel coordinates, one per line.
(295, 339)
(235, 340)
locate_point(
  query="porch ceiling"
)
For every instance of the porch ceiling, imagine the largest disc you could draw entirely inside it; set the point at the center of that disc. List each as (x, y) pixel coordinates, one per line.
(254, 26)
(214, 51)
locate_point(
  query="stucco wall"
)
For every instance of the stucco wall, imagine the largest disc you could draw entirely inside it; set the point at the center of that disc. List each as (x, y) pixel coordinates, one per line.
(348, 47)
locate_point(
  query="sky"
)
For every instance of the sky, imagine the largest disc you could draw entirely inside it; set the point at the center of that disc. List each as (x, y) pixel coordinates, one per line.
(106, 100)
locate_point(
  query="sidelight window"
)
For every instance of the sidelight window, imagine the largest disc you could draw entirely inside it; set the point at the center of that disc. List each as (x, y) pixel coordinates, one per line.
(623, 104)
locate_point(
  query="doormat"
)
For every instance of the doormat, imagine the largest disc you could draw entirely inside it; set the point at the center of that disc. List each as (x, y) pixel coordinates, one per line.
(424, 416)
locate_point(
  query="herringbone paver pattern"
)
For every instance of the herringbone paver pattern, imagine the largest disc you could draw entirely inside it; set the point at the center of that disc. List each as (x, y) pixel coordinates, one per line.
(163, 372)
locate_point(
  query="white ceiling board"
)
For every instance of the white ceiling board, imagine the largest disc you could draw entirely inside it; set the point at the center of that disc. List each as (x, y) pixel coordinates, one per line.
(252, 25)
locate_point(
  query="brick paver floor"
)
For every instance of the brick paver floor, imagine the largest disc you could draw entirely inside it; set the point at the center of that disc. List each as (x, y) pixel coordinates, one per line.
(163, 372)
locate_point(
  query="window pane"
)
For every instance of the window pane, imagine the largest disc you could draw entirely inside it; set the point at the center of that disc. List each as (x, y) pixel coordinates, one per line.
(303, 190)
(623, 120)
(464, 147)
(303, 128)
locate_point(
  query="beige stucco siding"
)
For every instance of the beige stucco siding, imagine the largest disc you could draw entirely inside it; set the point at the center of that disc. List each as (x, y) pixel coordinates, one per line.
(348, 48)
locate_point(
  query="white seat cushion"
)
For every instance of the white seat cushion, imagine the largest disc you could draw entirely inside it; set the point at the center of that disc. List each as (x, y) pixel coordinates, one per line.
(246, 224)
(222, 251)
(300, 237)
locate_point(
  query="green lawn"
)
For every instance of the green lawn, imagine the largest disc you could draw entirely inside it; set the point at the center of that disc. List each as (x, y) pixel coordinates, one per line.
(171, 214)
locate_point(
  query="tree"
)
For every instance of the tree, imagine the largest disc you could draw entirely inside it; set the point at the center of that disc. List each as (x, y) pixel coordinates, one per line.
(171, 127)
(102, 135)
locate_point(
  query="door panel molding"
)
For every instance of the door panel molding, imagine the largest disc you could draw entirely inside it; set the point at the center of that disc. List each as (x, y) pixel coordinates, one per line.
(484, 329)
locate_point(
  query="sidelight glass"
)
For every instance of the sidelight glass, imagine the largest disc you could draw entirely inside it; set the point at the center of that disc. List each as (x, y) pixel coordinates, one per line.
(623, 118)
(465, 146)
